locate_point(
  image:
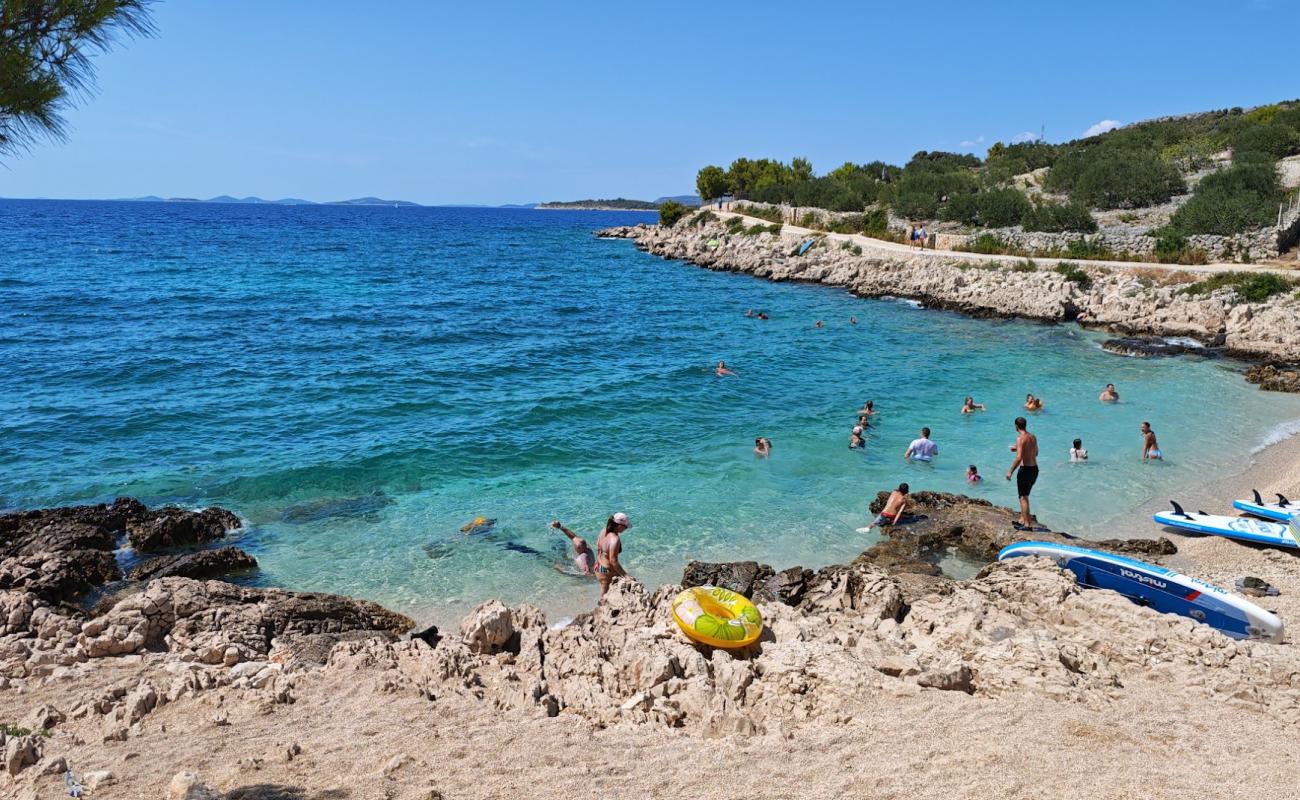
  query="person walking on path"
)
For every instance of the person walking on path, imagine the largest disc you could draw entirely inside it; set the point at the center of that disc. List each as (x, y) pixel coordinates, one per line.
(1027, 461)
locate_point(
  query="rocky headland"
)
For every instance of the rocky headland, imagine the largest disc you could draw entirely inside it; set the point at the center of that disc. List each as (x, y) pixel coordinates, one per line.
(1139, 301)
(172, 686)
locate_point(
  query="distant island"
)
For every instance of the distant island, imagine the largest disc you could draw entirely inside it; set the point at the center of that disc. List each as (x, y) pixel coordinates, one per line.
(618, 204)
(287, 201)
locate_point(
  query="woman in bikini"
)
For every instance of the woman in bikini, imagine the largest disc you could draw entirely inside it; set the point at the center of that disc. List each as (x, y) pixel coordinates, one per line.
(608, 547)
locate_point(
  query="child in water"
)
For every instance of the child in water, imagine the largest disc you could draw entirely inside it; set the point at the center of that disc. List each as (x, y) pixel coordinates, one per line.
(973, 475)
(1077, 453)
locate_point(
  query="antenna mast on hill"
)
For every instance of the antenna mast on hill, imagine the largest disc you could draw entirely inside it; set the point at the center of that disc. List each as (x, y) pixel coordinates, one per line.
(1042, 132)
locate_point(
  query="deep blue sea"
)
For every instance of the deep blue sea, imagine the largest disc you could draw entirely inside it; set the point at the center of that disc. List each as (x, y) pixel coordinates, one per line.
(359, 383)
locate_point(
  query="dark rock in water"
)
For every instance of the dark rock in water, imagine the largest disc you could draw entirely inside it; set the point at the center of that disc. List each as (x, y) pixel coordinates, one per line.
(318, 510)
(1275, 377)
(1150, 347)
(61, 554)
(111, 517)
(939, 522)
(173, 527)
(203, 564)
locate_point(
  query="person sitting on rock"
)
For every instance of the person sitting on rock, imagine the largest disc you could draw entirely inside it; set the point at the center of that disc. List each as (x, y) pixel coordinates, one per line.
(894, 506)
(1109, 395)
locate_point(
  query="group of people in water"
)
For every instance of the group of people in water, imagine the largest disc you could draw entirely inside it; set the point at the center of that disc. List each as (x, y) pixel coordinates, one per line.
(603, 562)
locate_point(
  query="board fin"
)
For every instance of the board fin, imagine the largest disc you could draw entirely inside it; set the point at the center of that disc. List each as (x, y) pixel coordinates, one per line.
(1259, 501)
(1282, 501)
(1178, 510)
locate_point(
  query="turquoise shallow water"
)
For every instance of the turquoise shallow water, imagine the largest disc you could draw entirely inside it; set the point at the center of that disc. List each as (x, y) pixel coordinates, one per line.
(358, 383)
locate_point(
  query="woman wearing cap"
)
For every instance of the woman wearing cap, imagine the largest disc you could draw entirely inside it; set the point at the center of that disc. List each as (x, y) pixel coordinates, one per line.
(608, 547)
(856, 441)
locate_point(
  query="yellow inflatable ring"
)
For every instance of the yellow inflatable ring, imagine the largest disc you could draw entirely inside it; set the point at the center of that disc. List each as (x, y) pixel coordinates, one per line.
(719, 617)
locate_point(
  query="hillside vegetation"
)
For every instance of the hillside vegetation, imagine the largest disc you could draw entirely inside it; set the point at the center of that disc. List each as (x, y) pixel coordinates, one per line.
(1138, 166)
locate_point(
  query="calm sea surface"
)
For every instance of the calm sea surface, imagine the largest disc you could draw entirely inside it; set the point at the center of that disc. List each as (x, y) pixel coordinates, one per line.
(359, 383)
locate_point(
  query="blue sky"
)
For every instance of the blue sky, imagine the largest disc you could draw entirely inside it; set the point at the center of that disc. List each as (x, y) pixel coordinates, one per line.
(518, 102)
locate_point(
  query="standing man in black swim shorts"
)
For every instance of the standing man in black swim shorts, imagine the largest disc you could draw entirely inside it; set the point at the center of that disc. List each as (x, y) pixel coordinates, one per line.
(1027, 460)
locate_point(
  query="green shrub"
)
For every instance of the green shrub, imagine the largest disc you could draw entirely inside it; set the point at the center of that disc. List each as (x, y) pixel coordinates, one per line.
(996, 208)
(703, 218)
(769, 214)
(735, 224)
(809, 220)
(985, 244)
(1024, 266)
(872, 223)
(1054, 218)
(1074, 275)
(1274, 140)
(670, 211)
(857, 250)
(757, 228)
(1126, 179)
(1084, 249)
(1172, 247)
(1254, 287)
(1240, 198)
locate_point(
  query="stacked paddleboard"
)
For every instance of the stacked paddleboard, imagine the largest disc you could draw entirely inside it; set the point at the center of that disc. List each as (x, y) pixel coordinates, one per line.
(1158, 588)
(1246, 529)
(1281, 511)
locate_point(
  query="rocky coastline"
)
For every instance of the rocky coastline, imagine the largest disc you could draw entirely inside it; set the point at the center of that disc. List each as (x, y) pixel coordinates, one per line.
(88, 689)
(1131, 302)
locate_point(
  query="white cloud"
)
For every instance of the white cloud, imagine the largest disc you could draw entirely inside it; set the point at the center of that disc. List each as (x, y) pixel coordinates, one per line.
(969, 143)
(1101, 127)
(1027, 136)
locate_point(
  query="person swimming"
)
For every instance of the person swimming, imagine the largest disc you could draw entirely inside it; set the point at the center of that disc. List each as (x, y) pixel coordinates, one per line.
(819, 324)
(856, 441)
(853, 320)
(763, 447)
(973, 474)
(762, 315)
(1109, 395)
(1033, 403)
(749, 312)
(864, 421)
(970, 406)
(868, 409)
(723, 372)
(1077, 453)
(1150, 448)
(583, 558)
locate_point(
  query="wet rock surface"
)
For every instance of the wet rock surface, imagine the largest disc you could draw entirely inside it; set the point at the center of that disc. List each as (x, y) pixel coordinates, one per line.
(1275, 377)
(1151, 347)
(203, 564)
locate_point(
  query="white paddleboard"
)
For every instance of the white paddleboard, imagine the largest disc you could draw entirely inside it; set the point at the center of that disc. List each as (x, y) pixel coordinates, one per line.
(1281, 511)
(1246, 529)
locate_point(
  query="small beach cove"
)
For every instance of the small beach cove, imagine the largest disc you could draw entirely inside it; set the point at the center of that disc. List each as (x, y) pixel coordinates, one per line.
(356, 452)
